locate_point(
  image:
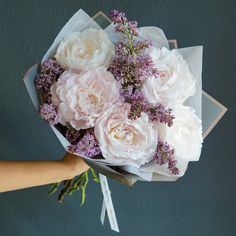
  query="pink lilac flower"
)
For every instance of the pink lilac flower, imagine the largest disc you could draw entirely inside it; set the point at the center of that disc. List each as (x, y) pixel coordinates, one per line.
(73, 135)
(122, 49)
(142, 45)
(49, 72)
(145, 67)
(161, 114)
(131, 65)
(136, 99)
(132, 70)
(165, 155)
(136, 110)
(49, 113)
(118, 17)
(123, 25)
(87, 146)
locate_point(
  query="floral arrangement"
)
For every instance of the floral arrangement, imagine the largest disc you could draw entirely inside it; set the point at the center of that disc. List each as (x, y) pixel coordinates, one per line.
(119, 99)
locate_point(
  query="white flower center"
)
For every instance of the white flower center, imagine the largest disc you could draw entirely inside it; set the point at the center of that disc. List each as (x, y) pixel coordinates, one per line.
(85, 97)
(123, 133)
(92, 99)
(165, 72)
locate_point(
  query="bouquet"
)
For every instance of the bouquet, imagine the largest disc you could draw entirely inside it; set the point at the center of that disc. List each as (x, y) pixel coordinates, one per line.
(122, 100)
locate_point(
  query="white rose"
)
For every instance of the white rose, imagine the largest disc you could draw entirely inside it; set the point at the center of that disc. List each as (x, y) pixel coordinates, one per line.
(85, 50)
(175, 84)
(81, 98)
(185, 136)
(130, 142)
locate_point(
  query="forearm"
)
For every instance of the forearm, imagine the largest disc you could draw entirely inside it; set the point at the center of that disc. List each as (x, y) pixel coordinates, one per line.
(23, 174)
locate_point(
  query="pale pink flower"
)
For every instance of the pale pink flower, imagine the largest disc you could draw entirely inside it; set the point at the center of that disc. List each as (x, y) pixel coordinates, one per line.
(82, 98)
(129, 142)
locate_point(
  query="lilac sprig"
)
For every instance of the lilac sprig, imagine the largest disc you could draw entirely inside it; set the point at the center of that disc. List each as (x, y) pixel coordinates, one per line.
(49, 113)
(49, 72)
(145, 67)
(131, 72)
(136, 99)
(129, 31)
(73, 135)
(161, 114)
(131, 65)
(133, 69)
(165, 155)
(87, 146)
(127, 28)
(142, 45)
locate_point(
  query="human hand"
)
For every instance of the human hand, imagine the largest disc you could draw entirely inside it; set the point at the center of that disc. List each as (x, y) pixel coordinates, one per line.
(76, 165)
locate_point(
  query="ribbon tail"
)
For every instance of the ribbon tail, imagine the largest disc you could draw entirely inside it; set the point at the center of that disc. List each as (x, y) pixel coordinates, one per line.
(108, 204)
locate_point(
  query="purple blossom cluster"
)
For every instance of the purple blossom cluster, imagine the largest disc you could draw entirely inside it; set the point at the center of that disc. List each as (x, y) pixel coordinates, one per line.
(136, 99)
(87, 146)
(142, 45)
(122, 24)
(123, 49)
(73, 135)
(49, 72)
(49, 113)
(161, 114)
(131, 65)
(165, 155)
(132, 69)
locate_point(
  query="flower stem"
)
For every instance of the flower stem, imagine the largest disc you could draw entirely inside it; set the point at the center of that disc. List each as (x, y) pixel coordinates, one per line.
(65, 190)
(54, 188)
(72, 185)
(83, 188)
(76, 185)
(94, 175)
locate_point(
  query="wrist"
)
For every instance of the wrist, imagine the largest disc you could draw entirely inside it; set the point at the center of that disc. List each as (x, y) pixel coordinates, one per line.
(73, 165)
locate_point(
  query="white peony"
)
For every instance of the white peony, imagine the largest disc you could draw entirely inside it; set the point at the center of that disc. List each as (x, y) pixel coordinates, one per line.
(81, 98)
(85, 50)
(185, 136)
(130, 142)
(175, 84)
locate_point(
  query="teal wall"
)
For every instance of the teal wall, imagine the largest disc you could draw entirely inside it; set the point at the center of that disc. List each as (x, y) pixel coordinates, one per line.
(202, 203)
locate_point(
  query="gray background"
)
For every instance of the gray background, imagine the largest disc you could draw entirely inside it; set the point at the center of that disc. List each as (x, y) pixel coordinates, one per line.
(203, 202)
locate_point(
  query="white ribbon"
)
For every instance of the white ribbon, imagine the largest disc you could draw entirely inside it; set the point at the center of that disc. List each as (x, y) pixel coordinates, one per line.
(107, 205)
